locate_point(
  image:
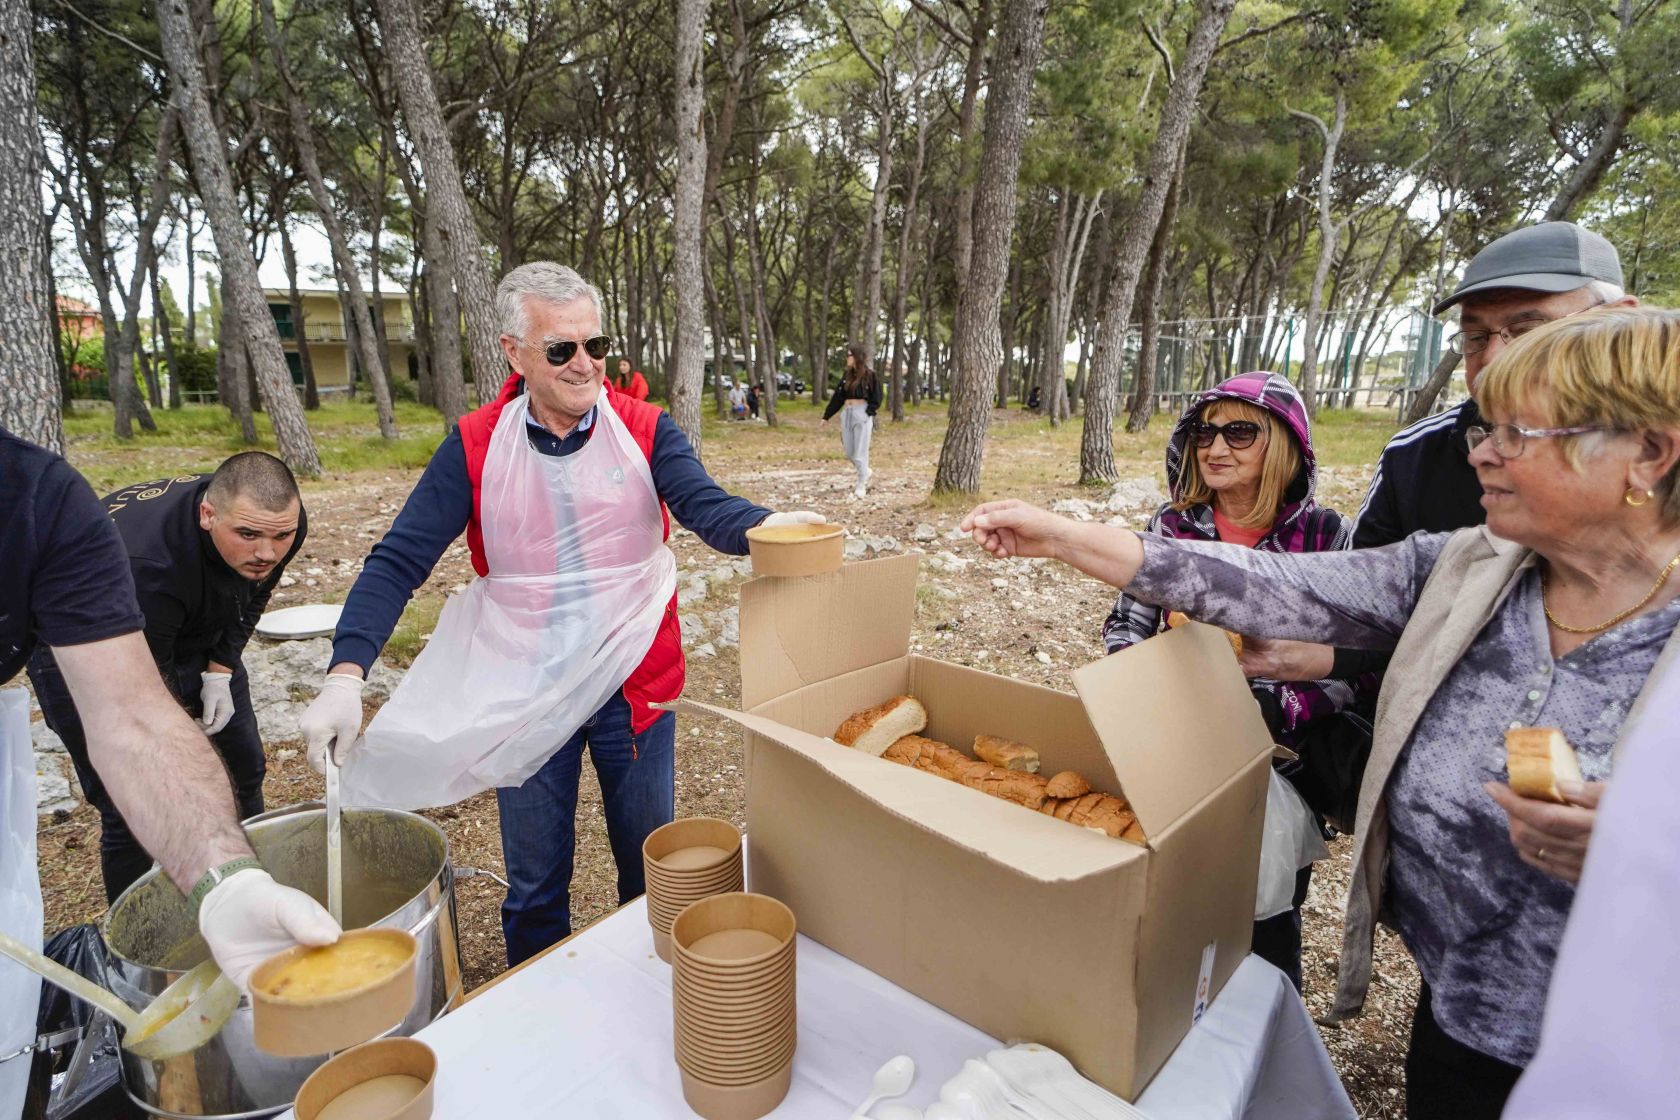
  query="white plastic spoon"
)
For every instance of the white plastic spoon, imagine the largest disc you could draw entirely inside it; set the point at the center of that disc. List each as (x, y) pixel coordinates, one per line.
(891, 1080)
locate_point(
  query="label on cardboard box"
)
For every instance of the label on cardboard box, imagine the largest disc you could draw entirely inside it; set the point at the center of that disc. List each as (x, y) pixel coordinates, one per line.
(1204, 981)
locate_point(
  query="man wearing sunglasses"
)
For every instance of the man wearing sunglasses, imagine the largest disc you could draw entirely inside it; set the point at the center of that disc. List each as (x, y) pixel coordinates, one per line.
(571, 451)
(1424, 480)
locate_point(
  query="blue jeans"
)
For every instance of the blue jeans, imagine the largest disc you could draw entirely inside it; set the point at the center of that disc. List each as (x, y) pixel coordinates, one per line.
(638, 793)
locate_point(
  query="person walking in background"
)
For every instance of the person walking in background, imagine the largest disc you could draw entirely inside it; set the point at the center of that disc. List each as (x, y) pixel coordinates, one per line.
(858, 398)
(1241, 468)
(630, 381)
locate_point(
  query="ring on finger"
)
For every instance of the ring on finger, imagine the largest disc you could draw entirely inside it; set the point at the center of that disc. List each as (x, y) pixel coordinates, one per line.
(1540, 852)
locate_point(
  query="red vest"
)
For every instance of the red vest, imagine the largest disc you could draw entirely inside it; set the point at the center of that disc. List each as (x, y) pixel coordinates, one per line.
(659, 677)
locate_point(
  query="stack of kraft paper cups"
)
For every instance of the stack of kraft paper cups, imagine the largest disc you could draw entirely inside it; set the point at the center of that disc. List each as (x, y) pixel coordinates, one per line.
(732, 981)
(686, 861)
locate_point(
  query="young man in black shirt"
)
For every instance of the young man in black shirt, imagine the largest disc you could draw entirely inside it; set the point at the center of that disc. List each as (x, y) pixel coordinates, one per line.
(65, 583)
(205, 552)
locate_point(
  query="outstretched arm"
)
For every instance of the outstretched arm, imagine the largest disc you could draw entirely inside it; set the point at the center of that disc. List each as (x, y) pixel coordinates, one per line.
(1356, 599)
(159, 768)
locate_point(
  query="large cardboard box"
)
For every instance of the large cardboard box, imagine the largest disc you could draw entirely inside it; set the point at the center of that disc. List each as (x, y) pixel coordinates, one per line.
(1027, 927)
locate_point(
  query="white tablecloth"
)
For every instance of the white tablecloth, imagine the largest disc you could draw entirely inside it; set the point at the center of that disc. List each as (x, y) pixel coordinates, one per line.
(586, 1032)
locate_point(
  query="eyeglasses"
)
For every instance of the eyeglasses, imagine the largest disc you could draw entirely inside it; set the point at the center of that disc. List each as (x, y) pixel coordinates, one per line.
(1465, 343)
(560, 352)
(1509, 439)
(1238, 433)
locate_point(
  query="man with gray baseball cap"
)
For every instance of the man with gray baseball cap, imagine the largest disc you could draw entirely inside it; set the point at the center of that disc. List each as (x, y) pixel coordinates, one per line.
(1526, 278)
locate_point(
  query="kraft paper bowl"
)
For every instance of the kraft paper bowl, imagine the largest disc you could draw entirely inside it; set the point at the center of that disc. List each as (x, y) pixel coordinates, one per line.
(690, 832)
(738, 910)
(737, 1102)
(363, 1063)
(298, 1028)
(796, 550)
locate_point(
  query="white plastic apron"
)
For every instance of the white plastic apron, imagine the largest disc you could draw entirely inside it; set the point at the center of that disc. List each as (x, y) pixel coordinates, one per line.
(579, 581)
(20, 897)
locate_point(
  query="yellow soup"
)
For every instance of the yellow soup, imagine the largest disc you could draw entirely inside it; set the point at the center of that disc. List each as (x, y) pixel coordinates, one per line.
(341, 967)
(792, 534)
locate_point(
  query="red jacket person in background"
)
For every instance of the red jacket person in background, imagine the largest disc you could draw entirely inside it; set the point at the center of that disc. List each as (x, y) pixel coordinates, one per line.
(564, 487)
(630, 382)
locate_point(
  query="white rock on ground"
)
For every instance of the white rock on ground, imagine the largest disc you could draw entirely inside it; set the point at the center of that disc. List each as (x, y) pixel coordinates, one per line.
(285, 676)
(1073, 507)
(924, 532)
(1131, 493)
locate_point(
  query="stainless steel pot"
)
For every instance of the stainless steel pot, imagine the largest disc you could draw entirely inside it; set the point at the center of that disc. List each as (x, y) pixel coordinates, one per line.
(396, 874)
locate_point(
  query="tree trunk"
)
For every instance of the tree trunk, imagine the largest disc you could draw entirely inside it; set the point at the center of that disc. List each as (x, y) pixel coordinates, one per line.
(241, 288)
(125, 394)
(1102, 388)
(688, 363)
(1329, 232)
(901, 282)
(162, 330)
(444, 310)
(1424, 403)
(30, 401)
(232, 381)
(1073, 234)
(1587, 174)
(1143, 383)
(866, 307)
(444, 192)
(311, 391)
(303, 141)
(979, 348)
(979, 34)
(191, 310)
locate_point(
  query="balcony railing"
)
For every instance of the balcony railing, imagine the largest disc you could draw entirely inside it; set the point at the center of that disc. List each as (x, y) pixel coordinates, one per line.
(327, 331)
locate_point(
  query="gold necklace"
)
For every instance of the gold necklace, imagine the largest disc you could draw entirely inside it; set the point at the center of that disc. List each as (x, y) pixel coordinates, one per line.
(1649, 595)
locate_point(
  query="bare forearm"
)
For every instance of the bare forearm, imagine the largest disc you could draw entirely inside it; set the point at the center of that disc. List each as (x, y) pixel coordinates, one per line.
(1105, 552)
(156, 763)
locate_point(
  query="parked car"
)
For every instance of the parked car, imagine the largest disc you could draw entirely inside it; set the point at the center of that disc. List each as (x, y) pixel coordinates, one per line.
(786, 383)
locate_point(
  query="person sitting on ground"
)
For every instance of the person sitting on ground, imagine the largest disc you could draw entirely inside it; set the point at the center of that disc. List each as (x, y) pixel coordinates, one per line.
(737, 402)
(1241, 468)
(630, 382)
(1553, 614)
(206, 552)
(752, 401)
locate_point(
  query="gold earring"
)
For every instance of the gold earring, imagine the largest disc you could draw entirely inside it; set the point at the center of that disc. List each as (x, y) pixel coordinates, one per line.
(1632, 490)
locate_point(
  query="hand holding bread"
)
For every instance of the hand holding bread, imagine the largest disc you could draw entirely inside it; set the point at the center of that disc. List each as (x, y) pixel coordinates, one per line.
(1551, 811)
(1176, 619)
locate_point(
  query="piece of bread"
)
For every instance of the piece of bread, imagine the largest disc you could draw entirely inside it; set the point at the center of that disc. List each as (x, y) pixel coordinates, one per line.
(875, 729)
(1538, 758)
(1068, 783)
(1176, 619)
(1006, 753)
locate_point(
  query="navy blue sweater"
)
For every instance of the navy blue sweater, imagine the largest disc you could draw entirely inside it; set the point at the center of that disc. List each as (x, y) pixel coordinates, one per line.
(438, 509)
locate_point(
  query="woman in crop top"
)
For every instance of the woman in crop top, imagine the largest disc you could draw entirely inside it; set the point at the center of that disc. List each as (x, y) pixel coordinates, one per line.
(857, 398)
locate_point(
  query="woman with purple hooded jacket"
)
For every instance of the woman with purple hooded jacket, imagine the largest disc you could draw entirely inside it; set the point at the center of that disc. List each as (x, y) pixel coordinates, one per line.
(1241, 469)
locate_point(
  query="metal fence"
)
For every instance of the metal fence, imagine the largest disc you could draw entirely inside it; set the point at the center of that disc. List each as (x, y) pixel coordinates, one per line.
(1376, 359)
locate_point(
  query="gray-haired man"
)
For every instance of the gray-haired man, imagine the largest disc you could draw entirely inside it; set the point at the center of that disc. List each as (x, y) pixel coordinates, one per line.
(551, 323)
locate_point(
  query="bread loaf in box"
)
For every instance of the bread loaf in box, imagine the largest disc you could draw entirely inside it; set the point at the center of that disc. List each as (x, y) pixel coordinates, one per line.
(1081, 806)
(1006, 753)
(1176, 619)
(875, 729)
(1538, 758)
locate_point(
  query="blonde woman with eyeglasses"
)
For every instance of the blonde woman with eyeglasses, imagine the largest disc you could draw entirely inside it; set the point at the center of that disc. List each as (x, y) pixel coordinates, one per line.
(1553, 614)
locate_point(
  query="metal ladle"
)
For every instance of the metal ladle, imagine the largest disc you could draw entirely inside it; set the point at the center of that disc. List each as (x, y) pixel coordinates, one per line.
(184, 1017)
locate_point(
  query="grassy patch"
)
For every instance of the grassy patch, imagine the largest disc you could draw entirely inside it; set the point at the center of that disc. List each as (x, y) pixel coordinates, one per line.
(409, 638)
(197, 438)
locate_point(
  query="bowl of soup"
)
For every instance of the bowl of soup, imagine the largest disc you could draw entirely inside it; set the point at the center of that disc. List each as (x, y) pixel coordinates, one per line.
(390, 1079)
(308, 1001)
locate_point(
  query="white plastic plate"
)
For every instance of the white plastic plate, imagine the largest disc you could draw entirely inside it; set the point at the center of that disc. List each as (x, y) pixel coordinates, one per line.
(314, 621)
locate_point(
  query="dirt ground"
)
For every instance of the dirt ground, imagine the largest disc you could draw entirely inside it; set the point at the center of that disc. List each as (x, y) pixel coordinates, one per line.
(1030, 620)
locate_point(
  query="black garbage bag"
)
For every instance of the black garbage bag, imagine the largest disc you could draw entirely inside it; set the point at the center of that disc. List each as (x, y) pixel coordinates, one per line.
(79, 1076)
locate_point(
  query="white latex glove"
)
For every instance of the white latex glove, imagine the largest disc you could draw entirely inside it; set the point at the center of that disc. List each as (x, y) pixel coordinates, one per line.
(333, 717)
(795, 517)
(215, 697)
(248, 917)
